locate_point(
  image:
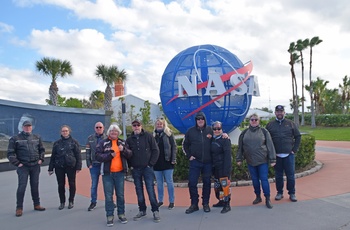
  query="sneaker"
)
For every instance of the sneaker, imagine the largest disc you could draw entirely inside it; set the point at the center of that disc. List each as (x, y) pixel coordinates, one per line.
(206, 208)
(192, 208)
(122, 219)
(19, 212)
(92, 206)
(61, 206)
(110, 221)
(156, 217)
(140, 215)
(279, 196)
(219, 204)
(171, 206)
(160, 204)
(70, 205)
(293, 198)
(39, 208)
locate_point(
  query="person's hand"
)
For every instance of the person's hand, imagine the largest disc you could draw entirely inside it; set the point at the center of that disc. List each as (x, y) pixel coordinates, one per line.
(50, 173)
(225, 135)
(40, 162)
(20, 165)
(273, 164)
(239, 163)
(90, 166)
(192, 158)
(78, 171)
(121, 147)
(113, 153)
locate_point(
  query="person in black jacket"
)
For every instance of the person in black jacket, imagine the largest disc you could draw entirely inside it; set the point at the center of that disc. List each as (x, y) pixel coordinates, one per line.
(221, 152)
(66, 160)
(145, 154)
(113, 153)
(286, 139)
(26, 152)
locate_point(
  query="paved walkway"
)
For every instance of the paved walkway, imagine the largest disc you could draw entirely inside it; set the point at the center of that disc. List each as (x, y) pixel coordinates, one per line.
(323, 203)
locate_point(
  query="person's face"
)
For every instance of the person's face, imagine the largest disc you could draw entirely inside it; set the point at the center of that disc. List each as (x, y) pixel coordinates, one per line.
(65, 132)
(27, 128)
(280, 114)
(200, 122)
(217, 130)
(254, 121)
(99, 128)
(159, 125)
(136, 128)
(113, 134)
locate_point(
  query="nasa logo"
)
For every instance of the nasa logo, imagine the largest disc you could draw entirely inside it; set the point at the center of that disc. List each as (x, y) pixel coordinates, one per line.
(207, 78)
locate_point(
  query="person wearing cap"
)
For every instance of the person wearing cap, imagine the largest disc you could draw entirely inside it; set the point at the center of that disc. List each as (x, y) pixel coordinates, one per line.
(286, 139)
(91, 162)
(145, 153)
(26, 152)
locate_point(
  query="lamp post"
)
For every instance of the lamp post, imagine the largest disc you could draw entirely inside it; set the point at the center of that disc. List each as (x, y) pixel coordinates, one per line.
(123, 119)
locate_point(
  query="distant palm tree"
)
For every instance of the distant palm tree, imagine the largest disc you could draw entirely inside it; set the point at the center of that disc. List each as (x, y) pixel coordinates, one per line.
(96, 99)
(294, 58)
(300, 46)
(345, 94)
(54, 68)
(313, 42)
(109, 74)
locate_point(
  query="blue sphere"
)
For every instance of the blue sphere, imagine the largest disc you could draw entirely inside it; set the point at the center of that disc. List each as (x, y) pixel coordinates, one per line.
(205, 78)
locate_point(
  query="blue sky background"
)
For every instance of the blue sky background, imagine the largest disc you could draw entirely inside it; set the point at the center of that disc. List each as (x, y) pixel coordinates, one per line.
(142, 36)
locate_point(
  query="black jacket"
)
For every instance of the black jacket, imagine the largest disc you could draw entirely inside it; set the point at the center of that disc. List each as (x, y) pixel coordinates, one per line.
(221, 152)
(91, 144)
(25, 148)
(65, 153)
(144, 149)
(103, 154)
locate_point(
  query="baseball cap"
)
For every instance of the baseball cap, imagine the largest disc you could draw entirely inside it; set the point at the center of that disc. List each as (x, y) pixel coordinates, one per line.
(27, 123)
(136, 121)
(279, 108)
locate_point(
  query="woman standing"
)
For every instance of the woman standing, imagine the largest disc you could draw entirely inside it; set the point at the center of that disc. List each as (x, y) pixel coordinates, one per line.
(112, 153)
(221, 152)
(66, 160)
(255, 145)
(164, 168)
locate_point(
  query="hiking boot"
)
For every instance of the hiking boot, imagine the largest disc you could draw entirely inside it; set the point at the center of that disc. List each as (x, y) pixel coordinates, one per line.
(110, 221)
(156, 217)
(257, 199)
(70, 205)
(140, 215)
(226, 208)
(219, 204)
(192, 208)
(268, 202)
(92, 206)
(61, 206)
(39, 208)
(122, 219)
(160, 204)
(279, 196)
(171, 206)
(19, 212)
(206, 208)
(293, 198)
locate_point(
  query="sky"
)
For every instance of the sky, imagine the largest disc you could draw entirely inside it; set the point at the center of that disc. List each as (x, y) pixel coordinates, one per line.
(142, 37)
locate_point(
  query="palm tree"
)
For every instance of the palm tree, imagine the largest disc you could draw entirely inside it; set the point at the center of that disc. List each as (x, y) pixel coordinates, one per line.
(319, 90)
(313, 42)
(96, 99)
(294, 58)
(345, 94)
(300, 46)
(54, 68)
(109, 74)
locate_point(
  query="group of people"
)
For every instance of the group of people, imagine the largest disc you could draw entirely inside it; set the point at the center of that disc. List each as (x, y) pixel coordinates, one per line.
(150, 157)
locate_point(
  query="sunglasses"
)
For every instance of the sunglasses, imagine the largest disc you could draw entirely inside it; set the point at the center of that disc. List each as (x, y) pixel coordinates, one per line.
(136, 125)
(200, 118)
(254, 119)
(98, 127)
(216, 129)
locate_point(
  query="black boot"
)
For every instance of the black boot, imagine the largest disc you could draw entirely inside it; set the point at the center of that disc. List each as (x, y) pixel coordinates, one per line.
(226, 208)
(268, 202)
(219, 204)
(257, 199)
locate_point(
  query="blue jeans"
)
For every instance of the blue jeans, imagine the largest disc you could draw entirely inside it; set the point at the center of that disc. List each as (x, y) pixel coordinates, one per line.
(286, 165)
(95, 176)
(146, 174)
(168, 176)
(196, 169)
(114, 181)
(259, 174)
(23, 173)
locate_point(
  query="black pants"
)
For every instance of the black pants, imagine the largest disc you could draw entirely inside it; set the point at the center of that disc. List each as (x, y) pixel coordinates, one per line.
(61, 180)
(23, 173)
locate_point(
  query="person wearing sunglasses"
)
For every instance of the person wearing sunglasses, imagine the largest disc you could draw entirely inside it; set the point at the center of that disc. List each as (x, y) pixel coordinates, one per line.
(94, 165)
(145, 153)
(256, 147)
(221, 152)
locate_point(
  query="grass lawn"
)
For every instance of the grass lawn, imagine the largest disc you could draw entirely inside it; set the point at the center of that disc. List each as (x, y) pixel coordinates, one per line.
(328, 133)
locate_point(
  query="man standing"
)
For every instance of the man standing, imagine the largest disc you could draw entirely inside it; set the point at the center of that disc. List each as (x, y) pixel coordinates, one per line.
(196, 146)
(145, 154)
(286, 139)
(93, 165)
(26, 152)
